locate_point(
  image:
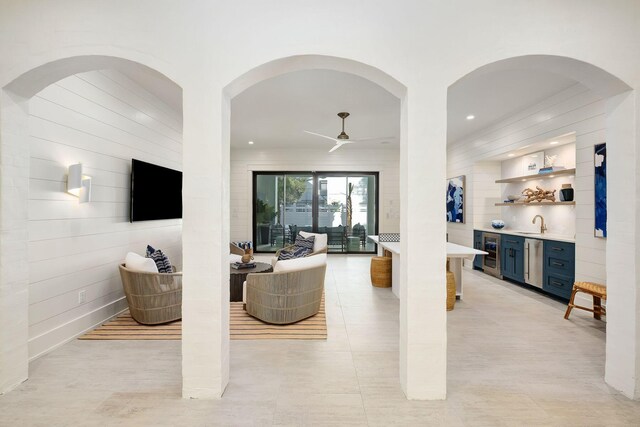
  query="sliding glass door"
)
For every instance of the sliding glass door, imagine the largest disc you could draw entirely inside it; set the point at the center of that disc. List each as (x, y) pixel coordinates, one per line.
(283, 205)
(343, 205)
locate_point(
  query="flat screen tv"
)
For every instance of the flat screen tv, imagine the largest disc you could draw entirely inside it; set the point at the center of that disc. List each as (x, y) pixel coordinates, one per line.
(156, 192)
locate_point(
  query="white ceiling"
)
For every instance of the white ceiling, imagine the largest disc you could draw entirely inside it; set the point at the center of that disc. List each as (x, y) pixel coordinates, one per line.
(496, 95)
(275, 112)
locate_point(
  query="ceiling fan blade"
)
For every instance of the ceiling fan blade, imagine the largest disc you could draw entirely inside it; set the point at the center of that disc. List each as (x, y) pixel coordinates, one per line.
(321, 136)
(372, 138)
(335, 147)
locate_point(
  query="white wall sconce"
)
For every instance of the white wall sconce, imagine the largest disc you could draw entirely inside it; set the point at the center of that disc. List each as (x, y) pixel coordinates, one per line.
(79, 185)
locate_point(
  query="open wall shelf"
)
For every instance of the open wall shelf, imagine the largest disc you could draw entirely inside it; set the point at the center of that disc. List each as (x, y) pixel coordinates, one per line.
(537, 204)
(563, 172)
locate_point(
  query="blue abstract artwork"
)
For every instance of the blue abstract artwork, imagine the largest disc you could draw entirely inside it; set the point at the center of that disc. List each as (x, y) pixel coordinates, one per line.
(455, 199)
(600, 193)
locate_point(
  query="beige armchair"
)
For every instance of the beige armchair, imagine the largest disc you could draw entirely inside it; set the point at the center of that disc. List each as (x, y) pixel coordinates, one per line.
(289, 295)
(319, 246)
(153, 298)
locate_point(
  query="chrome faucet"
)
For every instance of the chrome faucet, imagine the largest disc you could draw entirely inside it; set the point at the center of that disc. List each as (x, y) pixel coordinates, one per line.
(543, 227)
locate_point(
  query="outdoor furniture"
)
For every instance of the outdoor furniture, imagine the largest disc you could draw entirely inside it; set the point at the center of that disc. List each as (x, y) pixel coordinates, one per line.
(238, 277)
(361, 232)
(276, 234)
(597, 291)
(153, 298)
(336, 236)
(291, 293)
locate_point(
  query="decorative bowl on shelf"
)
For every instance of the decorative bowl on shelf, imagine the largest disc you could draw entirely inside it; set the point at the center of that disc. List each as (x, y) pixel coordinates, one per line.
(497, 224)
(513, 198)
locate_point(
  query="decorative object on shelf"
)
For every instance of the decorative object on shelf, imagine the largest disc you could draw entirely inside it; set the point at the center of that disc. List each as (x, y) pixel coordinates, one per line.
(550, 160)
(455, 199)
(600, 191)
(549, 165)
(538, 195)
(531, 163)
(498, 224)
(566, 193)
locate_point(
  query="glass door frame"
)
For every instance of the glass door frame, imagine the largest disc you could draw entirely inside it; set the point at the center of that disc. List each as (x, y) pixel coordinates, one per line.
(315, 201)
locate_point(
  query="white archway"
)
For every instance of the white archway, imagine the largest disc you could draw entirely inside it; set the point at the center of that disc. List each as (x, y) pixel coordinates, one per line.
(14, 175)
(422, 366)
(623, 282)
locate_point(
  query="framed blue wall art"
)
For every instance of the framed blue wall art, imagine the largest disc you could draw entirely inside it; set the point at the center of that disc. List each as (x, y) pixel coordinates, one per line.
(455, 199)
(600, 189)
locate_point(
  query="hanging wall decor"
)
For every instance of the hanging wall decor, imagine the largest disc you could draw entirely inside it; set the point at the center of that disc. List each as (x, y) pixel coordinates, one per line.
(600, 189)
(455, 199)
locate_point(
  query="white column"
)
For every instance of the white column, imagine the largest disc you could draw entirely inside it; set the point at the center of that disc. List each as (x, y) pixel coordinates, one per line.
(205, 242)
(14, 269)
(423, 327)
(622, 369)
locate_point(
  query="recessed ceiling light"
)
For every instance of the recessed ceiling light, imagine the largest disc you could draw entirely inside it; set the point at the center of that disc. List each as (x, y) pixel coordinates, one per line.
(471, 117)
(511, 155)
(524, 179)
(551, 176)
(553, 142)
(250, 142)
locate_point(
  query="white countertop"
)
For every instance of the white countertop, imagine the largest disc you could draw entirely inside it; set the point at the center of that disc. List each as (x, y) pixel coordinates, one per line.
(453, 250)
(545, 236)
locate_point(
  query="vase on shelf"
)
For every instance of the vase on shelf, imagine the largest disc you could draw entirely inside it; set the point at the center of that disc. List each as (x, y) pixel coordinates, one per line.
(566, 193)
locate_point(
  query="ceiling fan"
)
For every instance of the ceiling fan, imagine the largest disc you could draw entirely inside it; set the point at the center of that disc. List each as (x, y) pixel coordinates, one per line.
(343, 138)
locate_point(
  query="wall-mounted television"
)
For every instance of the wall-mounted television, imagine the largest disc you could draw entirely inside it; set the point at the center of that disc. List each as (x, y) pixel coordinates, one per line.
(156, 192)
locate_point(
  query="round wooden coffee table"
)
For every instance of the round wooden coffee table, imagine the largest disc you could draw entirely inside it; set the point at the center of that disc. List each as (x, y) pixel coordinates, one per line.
(238, 277)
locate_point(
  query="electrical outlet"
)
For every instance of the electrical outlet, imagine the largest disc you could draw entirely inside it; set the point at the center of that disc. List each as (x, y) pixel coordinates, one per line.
(82, 297)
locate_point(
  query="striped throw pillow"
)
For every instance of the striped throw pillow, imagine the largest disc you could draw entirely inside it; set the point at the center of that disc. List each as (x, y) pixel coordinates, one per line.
(305, 242)
(161, 260)
(293, 253)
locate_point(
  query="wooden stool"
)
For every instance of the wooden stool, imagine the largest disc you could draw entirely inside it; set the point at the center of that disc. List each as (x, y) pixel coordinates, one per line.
(451, 289)
(381, 272)
(599, 293)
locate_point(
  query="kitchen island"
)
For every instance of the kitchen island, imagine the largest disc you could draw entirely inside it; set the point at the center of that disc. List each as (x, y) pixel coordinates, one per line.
(455, 253)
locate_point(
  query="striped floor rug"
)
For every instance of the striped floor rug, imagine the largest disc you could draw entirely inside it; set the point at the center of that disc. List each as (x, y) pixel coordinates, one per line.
(242, 327)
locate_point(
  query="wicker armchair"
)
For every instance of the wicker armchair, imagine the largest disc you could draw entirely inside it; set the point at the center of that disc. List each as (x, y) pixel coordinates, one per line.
(285, 297)
(153, 298)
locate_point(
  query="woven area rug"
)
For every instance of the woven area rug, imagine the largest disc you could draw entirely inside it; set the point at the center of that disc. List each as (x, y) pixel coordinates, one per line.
(242, 327)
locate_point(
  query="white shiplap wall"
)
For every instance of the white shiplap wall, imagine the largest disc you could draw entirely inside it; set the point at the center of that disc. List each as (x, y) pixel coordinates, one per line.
(103, 120)
(245, 161)
(575, 109)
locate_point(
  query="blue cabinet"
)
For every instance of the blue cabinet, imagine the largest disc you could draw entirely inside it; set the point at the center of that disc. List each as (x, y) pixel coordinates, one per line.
(512, 257)
(559, 268)
(477, 244)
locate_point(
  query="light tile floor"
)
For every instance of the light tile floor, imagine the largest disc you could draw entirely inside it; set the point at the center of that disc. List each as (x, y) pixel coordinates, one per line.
(513, 360)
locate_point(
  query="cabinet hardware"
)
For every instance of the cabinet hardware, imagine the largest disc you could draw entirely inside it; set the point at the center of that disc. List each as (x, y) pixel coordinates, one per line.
(512, 241)
(557, 249)
(560, 264)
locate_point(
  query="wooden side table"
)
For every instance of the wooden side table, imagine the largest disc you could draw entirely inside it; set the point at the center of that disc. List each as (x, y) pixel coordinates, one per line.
(238, 277)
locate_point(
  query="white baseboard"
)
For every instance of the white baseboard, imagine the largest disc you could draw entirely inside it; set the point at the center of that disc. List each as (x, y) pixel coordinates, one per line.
(50, 340)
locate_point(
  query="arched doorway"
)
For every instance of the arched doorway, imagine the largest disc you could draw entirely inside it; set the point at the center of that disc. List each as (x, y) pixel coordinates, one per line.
(417, 359)
(572, 110)
(15, 103)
